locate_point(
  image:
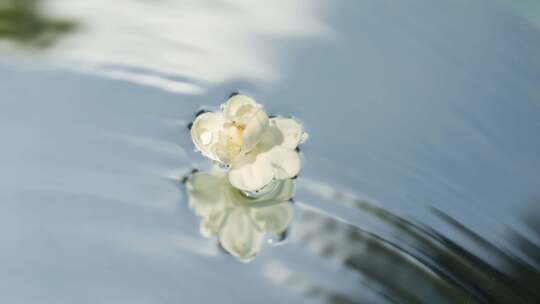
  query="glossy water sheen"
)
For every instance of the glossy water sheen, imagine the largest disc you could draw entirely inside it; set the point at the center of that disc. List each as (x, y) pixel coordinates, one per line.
(421, 178)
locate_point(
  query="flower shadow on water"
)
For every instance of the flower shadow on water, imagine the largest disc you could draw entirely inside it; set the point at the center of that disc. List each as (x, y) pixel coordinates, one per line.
(238, 220)
(410, 262)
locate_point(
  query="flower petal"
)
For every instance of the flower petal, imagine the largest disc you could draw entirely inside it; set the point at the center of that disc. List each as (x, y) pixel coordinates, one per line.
(291, 131)
(272, 137)
(249, 116)
(239, 236)
(205, 133)
(252, 173)
(228, 147)
(285, 162)
(237, 106)
(255, 129)
(274, 218)
(282, 191)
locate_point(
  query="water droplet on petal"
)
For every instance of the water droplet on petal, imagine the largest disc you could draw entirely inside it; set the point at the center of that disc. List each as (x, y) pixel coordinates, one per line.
(206, 137)
(304, 137)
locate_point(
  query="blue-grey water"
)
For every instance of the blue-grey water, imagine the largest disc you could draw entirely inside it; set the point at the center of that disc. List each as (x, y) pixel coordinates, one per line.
(420, 180)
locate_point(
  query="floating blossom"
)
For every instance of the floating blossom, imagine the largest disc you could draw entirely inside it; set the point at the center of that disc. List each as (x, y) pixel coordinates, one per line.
(240, 222)
(258, 149)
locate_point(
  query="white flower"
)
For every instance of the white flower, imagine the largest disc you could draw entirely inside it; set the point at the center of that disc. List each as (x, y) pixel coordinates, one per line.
(257, 148)
(240, 222)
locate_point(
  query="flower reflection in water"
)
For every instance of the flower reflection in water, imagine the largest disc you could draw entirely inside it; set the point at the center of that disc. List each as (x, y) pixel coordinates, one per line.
(239, 220)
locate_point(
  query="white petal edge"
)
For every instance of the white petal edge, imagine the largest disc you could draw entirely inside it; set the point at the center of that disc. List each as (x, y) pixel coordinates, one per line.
(285, 162)
(257, 124)
(252, 173)
(291, 131)
(205, 133)
(235, 103)
(283, 192)
(255, 130)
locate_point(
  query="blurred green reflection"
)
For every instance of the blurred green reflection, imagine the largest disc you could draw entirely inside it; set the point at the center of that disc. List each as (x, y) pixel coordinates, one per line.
(22, 21)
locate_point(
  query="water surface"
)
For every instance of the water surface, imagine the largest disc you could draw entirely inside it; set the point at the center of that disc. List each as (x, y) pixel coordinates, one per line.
(420, 181)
